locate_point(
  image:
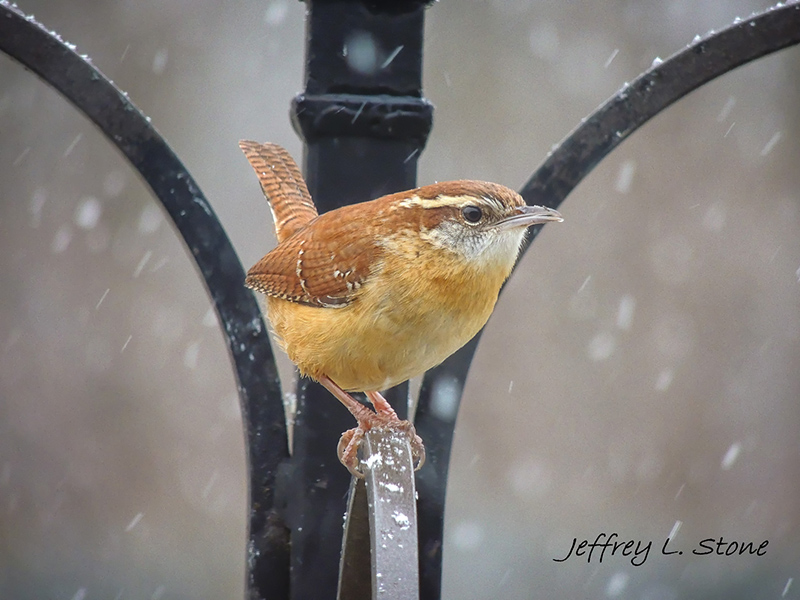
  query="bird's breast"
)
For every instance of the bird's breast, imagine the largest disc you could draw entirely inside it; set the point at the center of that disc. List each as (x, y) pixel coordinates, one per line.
(406, 319)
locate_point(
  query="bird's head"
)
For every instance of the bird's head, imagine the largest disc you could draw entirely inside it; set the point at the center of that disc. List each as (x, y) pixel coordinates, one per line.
(482, 223)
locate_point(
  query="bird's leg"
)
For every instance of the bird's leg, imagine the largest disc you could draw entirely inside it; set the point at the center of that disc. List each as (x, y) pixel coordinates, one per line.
(351, 439)
(385, 416)
(381, 404)
(358, 410)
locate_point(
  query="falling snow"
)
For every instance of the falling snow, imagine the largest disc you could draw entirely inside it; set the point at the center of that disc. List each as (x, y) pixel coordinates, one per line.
(210, 318)
(727, 108)
(664, 380)
(467, 536)
(611, 58)
(62, 239)
(544, 40)
(72, 145)
(730, 456)
(160, 61)
(729, 129)
(601, 346)
(674, 531)
(80, 594)
(142, 263)
(87, 215)
(102, 298)
(190, 356)
(625, 176)
(391, 57)
(210, 485)
(361, 53)
(627, 305)
(36, 205)
(21, 157)
(134, 522)
(114, 183)
(617, 584)
(276, 13)
(529, 477)
(680, 491)
(445, 394)
(159, 593)
(770, 145)
(150, 219)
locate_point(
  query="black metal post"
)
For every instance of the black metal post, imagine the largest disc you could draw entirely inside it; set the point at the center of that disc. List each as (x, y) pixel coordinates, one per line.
(365, 123)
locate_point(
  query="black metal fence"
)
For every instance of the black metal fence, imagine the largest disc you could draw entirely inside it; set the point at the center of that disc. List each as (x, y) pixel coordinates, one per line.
(363, 133)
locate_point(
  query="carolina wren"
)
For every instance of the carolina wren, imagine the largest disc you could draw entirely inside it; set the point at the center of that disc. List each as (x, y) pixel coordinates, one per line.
(369, 295)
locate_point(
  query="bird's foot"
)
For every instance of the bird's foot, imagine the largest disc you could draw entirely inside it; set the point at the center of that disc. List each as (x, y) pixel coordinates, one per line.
(384, 417)
(392, 421)
(351, 439)
(347, 450)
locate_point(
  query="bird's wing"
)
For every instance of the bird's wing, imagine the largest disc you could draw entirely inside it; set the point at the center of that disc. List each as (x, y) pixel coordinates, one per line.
(283, 186)
(316, 266)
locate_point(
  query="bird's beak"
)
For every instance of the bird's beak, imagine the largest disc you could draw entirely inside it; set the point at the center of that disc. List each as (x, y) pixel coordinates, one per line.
(525, 216)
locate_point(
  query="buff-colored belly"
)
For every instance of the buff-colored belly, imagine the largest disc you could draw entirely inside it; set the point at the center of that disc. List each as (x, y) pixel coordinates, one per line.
(379, 340)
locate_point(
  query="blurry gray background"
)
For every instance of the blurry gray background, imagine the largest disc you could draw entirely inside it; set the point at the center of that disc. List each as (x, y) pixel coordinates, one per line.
(640, 374)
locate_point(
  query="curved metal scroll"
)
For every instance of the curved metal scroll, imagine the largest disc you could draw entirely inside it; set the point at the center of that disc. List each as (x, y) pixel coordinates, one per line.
(651, 92)
(44, 53)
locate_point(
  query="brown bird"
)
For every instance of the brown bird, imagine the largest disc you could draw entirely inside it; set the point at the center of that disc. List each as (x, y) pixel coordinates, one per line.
(369, 295)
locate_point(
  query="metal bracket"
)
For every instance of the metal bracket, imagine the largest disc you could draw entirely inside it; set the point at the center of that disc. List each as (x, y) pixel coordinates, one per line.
(384, 506)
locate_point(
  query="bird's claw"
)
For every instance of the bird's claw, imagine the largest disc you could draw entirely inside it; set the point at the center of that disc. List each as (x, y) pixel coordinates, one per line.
(347, 450)
(350, 442)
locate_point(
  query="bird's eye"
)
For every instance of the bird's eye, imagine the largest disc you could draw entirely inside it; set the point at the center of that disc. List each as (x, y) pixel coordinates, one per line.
(472, 214)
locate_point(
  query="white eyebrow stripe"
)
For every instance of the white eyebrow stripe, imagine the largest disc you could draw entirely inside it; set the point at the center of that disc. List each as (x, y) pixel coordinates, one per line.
(454, 201)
